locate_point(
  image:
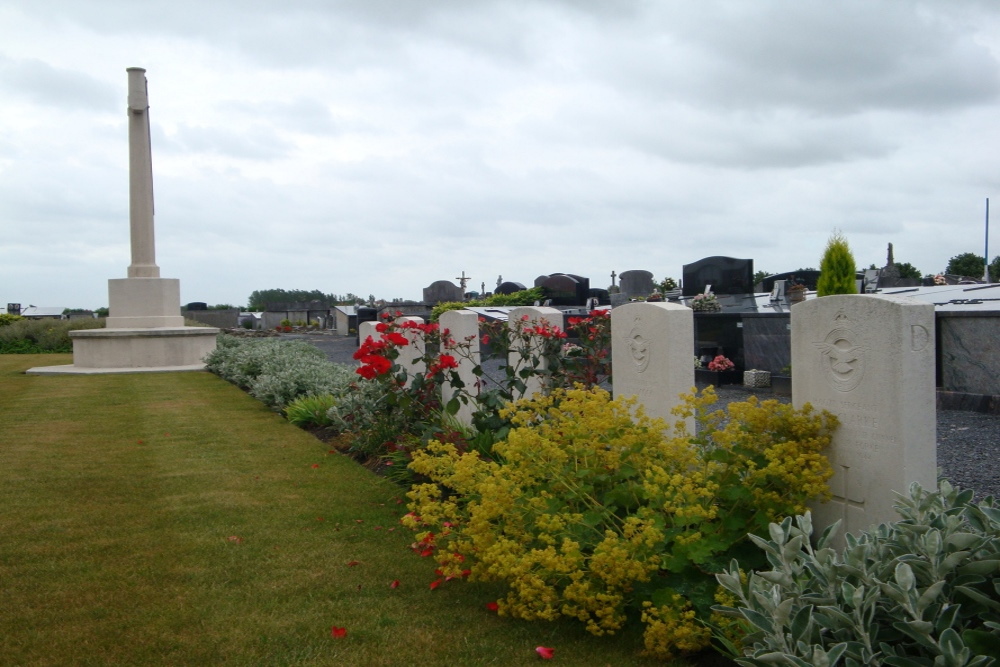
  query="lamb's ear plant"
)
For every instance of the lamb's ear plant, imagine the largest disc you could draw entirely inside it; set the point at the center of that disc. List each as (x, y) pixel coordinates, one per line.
(923, 590)
(277, 372)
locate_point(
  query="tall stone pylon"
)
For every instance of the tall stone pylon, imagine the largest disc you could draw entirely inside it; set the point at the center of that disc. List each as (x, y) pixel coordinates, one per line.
(140, 192)
(144, 299)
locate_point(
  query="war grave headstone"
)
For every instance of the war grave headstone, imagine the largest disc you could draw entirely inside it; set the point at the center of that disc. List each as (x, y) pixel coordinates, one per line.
(535, 316)
(870, 361)
(651, 355)
(463, 328)
(726, 275)
(411, 356)
(442, 290)
(636, 283)
(366, 329)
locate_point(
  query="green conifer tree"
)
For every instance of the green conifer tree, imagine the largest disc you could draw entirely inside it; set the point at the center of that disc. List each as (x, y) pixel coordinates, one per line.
(837, 269)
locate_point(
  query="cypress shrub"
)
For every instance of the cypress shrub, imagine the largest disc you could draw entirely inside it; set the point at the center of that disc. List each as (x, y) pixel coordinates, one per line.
(837, 268)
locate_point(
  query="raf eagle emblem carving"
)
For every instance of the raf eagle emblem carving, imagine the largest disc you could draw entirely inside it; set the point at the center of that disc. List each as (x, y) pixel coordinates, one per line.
(842, 356)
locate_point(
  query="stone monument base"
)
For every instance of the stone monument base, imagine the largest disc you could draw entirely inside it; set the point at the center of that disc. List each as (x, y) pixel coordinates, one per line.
(148, 302)
(158, 350)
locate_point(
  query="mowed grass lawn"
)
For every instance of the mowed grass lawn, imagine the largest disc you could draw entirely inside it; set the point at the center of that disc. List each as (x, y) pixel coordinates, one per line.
(172, 519)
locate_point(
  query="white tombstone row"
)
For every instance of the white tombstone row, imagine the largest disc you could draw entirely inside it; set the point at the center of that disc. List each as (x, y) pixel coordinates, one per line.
(868, 359)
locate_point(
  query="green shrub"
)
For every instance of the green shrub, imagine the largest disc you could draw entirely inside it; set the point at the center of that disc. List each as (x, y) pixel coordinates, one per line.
(838, 274)
(26, 336)
(310, 410)
(523, 298)
(590, 510)
(7, 318)
(923, 590)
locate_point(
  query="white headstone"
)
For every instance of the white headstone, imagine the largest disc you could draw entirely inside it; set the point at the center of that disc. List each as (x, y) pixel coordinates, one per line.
(411, 356)
(463, 328)
(870, 361)
(366, 329)
(526, 316)
(651, 353)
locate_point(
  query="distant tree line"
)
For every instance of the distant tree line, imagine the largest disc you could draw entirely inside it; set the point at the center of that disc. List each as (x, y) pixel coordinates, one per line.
(260, 298)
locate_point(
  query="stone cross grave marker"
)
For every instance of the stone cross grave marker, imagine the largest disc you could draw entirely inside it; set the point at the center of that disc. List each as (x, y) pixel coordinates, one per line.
(870, 361)
(651, 354)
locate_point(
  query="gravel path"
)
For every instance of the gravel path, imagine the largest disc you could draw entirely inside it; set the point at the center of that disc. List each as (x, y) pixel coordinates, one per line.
(968, 442)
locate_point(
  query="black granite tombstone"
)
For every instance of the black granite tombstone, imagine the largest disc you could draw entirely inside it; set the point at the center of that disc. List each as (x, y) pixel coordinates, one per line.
(510, 287)
(726, 275)
(565, 289)
(602, 295)
(636, 283)
(442, 290)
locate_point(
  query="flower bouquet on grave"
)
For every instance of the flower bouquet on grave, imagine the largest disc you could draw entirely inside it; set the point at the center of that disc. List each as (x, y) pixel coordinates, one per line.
(720, 363)
(707, 302)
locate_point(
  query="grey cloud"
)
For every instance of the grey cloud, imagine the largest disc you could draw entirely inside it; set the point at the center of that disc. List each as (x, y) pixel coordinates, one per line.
(300, 115)
(829, 58)
(44, 84)
(257, 142)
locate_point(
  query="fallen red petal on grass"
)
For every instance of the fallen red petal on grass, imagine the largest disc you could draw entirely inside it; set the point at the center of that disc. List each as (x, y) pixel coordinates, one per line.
(492, 606)
(545, 652)
(352, 563)
(234, 538)
(359, 521)
(394, 584)
(435, 584)
(315, 465)
(338, 633)
(139, 442)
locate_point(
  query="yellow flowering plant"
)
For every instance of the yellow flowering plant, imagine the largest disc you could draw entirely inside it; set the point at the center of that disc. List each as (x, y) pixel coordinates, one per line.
(593, 510)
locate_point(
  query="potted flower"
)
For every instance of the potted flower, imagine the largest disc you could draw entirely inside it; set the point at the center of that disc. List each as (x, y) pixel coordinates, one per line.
(706, 302)
(720, 371)
(796, 292)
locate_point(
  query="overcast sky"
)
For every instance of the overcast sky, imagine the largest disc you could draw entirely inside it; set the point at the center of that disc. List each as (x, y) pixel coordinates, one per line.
(375, 146)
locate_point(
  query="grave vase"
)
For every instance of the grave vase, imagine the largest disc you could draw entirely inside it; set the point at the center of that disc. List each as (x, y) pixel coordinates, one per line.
(796, 296)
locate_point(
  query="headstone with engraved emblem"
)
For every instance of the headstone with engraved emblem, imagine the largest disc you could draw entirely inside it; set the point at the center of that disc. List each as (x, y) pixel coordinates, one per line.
(870, 361)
